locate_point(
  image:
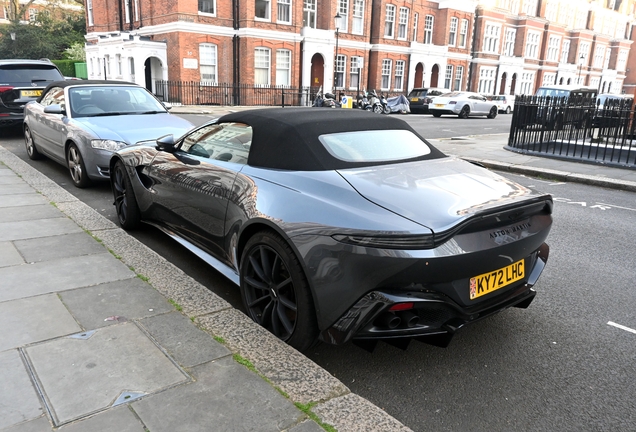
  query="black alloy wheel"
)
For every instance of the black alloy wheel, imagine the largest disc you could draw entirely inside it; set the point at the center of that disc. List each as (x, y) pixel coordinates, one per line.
(275, 291)
(76, 167)
(464, 112)
(31, 149)
(493, 112)
(125, 201)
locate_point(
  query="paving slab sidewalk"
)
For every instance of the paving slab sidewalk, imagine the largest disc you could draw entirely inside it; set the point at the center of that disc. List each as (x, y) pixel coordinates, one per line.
(101, 333)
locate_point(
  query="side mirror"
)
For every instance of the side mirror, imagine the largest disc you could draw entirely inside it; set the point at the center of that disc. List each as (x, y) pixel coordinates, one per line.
(167, 105)
(54, 109)
(166, 143)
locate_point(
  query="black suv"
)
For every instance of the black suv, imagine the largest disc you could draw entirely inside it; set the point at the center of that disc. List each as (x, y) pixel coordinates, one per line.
(22, 81)
(419, 98)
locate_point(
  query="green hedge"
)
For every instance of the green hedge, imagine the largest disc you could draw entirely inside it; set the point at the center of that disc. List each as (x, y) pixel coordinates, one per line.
(67, 67)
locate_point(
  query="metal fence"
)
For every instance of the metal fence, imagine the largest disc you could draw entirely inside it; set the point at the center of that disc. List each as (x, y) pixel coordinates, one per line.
(201, 93)
(578, 127)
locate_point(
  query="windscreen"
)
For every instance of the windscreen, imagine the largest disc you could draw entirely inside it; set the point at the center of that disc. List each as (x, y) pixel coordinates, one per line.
(23, 75)
(375, 146)
(93, 101)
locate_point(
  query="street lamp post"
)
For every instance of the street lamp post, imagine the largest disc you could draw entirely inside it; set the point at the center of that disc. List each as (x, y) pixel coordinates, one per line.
(337, 20)
(12, 34)
(581, 59)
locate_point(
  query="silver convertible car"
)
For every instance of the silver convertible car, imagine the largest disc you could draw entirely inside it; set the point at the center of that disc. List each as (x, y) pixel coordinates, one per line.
(340, 225)
(79, 124)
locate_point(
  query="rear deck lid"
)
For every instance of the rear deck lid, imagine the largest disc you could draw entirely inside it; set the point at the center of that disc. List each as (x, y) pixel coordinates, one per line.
(436, 193)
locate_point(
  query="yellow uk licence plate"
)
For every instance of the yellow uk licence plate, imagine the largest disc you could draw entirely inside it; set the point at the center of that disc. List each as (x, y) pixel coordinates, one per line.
(492, 281)
(439, 105)
(414, 99)
(30, 93)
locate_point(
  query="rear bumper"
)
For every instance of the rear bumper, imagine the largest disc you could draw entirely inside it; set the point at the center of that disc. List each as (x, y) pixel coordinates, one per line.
(434, 317)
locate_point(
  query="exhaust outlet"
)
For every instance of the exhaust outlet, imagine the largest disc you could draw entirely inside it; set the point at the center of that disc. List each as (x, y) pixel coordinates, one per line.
(388, 320)
(409, 319)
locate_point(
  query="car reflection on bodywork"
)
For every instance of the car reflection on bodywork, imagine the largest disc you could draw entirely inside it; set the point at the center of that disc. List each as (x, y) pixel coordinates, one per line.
(339, 225)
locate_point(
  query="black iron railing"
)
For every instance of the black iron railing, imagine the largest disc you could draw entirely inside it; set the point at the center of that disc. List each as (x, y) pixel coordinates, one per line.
(577, 127)
(201, 93)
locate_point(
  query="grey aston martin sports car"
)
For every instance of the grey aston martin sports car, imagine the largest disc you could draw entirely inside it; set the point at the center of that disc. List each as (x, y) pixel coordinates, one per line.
(340, 225)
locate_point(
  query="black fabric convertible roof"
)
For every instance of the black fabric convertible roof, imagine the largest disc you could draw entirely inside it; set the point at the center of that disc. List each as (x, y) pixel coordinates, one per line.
(287, 138)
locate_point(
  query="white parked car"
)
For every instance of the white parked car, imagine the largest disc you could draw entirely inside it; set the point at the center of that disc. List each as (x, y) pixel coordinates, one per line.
(463, 104)
(505, 103)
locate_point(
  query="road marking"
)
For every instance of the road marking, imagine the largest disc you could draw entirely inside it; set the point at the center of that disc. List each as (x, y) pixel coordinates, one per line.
(621, 327)
(615, 206)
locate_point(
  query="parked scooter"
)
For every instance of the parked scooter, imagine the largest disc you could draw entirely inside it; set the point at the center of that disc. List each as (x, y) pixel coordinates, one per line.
(328, 100)
(363, 101)
(375, 104)
(385, 105)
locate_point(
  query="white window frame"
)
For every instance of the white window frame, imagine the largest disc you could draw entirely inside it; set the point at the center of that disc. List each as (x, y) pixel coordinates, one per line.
(491, 38)
(429, 25)
(136, 10)
(459, 76)
(118, 62)
(89, 12)
(341, 67)
(608, 54)
(263, 64)
(389, 21)
(33, 15)
(127, 11)
(621, 61)
(549, 79)
(509, 42)
(398, 83)
(529, 7)
(309, 13)
(267, 10)
(343, 10)
(552, 10)
(463, 33)
(487, 77)
(452, 32)
(387, 65)
(553, 48)
(208, 62)
(403, 23)
(599, 53)
(355, 75)
(284, 7)
(448, 77)
(416, 18)
(565, 51)
(357, 24)
(283, 67)
(527, 83)
(533, 42)
(212, 5)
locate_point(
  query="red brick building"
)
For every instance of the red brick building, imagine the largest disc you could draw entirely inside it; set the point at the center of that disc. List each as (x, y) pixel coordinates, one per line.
(523, 44)
(387, 46)
(491, 46)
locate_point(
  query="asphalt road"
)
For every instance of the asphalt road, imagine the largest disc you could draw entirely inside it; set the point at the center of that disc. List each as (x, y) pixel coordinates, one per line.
(557, 365)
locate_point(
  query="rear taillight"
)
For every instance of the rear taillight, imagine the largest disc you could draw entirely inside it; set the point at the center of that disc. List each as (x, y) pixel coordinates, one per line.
(401, 306)
(5, 89)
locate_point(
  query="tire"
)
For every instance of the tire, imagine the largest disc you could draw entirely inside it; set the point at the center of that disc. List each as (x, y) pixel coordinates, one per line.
(31, 149)
(436, 114)
(126, 205)
(378, 109)
(508, 110)
(275, 291)
(387, 110)
(465, 111)
(76, 167)
(493, 112)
